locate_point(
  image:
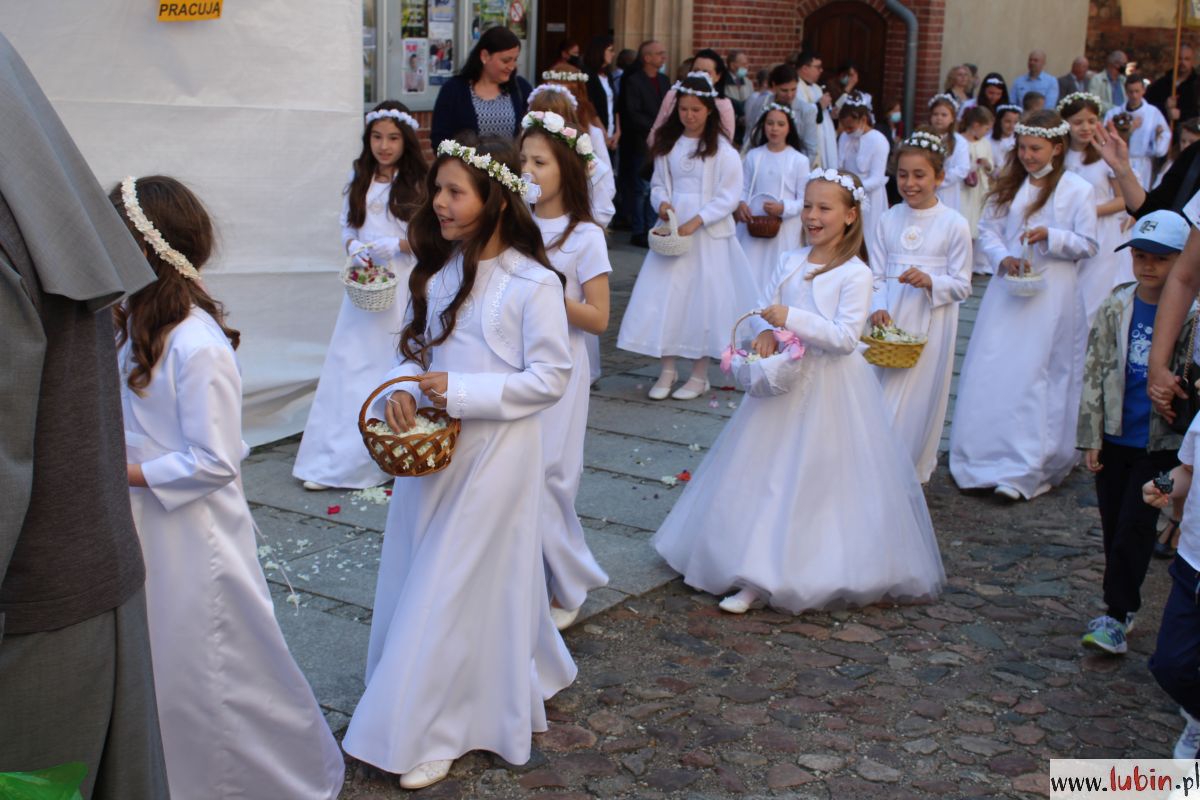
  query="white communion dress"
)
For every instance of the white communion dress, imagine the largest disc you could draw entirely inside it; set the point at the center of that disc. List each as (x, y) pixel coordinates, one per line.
(807, 497)
(1107, 269)
(238, 718)
(866, 155)
(780, 177)
(958, 165)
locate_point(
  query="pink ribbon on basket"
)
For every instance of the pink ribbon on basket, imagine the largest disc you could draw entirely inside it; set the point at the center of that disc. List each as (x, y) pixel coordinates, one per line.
(727, 357)
(791, 343)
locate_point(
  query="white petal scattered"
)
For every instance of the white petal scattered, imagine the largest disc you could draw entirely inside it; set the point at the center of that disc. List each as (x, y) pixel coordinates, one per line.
(669, 480)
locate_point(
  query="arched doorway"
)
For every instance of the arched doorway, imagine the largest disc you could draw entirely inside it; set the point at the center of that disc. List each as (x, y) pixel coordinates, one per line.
(849, 30)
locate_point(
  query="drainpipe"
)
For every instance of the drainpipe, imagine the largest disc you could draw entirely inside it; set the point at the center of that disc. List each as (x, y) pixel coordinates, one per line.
(910, 58)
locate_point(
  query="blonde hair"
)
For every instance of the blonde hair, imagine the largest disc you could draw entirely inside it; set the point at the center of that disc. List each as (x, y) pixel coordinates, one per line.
(853, 241)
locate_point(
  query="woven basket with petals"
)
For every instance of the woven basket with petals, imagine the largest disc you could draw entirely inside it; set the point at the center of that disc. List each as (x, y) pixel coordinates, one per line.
(409, 455)
(665, 240)
(765, 226)
(895, 355)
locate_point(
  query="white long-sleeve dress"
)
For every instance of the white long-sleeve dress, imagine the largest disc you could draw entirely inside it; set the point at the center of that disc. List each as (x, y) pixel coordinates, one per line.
(866, 155)
(685, 305)
(238, 718)
(1018, 394)
(362, 348)
(937, 241)
(463, 652)
(602, 187)
(571, 569)
(807, 497)
(1108, 268)
(780, 177)
(958, 164)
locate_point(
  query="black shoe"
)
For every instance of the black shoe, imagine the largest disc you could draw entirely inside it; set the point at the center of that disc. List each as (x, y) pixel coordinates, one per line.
(639, 240)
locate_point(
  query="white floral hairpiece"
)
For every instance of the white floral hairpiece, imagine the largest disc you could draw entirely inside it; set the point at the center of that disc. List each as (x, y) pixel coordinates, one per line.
(556, 88)
(944, 96)
(1003, 107)
(1085, 96)
(679, 87)
(773, 106)
(845, 181)
(856, 99)
(557, 127)
(133, 210)
(399, 116)
(551, 75)
(993, 81)
(495, 170)
(1058, 131)
(930, 141)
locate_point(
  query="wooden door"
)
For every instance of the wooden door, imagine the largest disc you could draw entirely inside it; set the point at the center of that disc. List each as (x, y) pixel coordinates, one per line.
(569, 19)
(849, 30)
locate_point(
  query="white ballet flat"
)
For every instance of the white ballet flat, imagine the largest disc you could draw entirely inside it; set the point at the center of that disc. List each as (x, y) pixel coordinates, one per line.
(661, 389)
(313, 486)
(426, 774)
(1007, 492)
(736, 605)
(563, 619)
(688, 390)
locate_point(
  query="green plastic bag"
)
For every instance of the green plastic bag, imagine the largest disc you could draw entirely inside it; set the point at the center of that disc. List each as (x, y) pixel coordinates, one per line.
(57, 783)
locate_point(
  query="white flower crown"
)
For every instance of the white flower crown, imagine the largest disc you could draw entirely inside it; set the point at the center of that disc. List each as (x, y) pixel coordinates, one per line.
(495, 170)
(949, 98)
(1071, 98)
(929, 141)
(551, 75)
(845, 181)
(133, 210)
(679, 87)
(399, 116)
(1057, 132)
(1000, 109)
(856, 99)
(993, 81)
(556, 88)
(772, 106)
(557, 127)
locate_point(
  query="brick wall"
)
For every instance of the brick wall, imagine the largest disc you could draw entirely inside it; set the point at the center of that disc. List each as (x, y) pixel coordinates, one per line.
(1152, 48)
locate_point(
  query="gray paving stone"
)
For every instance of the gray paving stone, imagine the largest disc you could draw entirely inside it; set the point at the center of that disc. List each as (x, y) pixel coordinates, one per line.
(636, 503)
(633, 566)
(270, 483)
(347, 572)
(638, 457)
(666, 423)
(331, 651)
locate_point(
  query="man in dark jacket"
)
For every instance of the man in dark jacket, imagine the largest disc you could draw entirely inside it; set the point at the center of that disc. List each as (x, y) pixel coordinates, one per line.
(643, 88)
(1186, 104)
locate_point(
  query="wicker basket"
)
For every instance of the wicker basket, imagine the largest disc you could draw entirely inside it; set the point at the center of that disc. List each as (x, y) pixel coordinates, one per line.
(894, 355)
(765, 226)
(392, 450)
(368, 296)
(665, 240)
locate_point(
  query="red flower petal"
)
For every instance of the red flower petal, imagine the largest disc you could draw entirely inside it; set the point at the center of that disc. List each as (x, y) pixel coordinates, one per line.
(684, 476)
(388, 492)
(333, 510)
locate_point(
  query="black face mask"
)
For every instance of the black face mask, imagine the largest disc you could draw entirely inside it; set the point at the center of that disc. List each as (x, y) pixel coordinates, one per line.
(575, 61)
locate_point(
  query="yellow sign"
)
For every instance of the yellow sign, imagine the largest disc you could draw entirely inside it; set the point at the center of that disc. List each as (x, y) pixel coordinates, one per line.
(189, 11)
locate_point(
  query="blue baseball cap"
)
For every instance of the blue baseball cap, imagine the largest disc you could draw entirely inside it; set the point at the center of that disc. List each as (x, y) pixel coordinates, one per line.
(1159, 232)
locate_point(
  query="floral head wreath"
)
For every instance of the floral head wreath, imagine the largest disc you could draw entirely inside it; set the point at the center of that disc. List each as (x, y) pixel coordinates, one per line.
(555, 88)
(1003, 107)
(679, 87)
(567, 77)
(522, 187)
(399, 116)
(1057, 132)
(993, 81)
(856, 99)
(787, 110)
(845, 181)
(944, 97)
(929, 141)
(1087, 97)
(557, 127)
(133, 210)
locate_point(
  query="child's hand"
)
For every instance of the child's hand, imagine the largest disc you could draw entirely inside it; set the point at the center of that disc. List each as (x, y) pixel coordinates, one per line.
(765, 344)
(775, 315)
(1152, 497)
(434, 385)
(742, 213)
(773, 208)
(1012, 266)
(1035, 235)
(663, 209)
(881, 318)
(691, 226)
(401, 411)
(1091, 460)
(917, 277)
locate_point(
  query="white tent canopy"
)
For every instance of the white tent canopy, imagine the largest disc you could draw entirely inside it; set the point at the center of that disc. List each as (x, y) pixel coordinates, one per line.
(260, 113)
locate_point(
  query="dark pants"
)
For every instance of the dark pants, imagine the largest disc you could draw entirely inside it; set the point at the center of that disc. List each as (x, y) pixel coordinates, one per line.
(1128, 523)
(635, 190)
(1176, 660)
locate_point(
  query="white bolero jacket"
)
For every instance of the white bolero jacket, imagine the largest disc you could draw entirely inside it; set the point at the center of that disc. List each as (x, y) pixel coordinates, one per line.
(1069, 216)
(721, 188)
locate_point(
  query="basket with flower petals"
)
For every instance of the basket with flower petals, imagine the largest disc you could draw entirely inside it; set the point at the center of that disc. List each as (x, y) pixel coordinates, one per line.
(423, 450)
(369, 286)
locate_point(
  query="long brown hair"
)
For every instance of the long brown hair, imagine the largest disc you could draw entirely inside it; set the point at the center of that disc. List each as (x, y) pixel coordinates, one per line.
(408, 183)
(502, 211)
(573, 182)
(1014, 174)
(947, 137)
(1090, 154)
(853, 239)
(148, 317)
(672, 129)
(585, 111)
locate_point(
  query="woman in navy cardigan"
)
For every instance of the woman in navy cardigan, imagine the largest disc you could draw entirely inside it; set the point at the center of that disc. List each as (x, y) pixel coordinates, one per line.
(487, 96)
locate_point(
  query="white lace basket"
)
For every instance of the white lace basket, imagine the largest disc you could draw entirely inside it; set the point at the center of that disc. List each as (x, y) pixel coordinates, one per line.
(665, 240)
(368, 296)
(762, 377)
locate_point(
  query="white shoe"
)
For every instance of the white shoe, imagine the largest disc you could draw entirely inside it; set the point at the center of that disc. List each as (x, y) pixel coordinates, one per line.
(563, 619)
(741, 602)
(426, 774)
(1007, 492)
(661, 389)
(692, 389)
(313, 486)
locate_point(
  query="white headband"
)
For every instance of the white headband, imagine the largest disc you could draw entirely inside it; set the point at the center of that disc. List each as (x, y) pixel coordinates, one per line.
(1003, 107)
(133, 210)
(495, 170)
(1058, 131)
(392, 113)
(845, 181)
(779, 107)
(929, 141)
(856, 99)
(551, 75)
(1085, 96)
(949, 98)
(557, 88)
(679, 87)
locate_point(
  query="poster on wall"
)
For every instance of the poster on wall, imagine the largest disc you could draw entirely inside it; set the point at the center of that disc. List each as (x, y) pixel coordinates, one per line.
(488, 14)
(412, 19)
(516, 19)
(441, 41)
(416, 58)
(441, 11)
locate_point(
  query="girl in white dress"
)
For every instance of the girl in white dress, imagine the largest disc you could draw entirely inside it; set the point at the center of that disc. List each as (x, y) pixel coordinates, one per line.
(1018, 395)
(807, 500)
(976, 127)
(238, 717)
(384, 187)
(1003, 136)
(1100, 273)
(943, 115)
(865, 151)
(463, 652)
(921, 259)
(774, 174)
(577, 249)
(685, 305)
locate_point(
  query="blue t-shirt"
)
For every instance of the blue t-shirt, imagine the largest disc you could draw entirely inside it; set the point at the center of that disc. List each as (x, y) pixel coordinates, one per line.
(1135, 407)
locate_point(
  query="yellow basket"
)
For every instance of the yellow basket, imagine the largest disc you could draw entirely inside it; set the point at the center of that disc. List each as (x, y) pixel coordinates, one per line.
(894, 355)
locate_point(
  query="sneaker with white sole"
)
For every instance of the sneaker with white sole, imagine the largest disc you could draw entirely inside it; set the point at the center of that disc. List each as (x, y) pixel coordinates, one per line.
(1007, 492)
(1105, 634)
(426, 774)
(313, 486)
(1189, 741)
